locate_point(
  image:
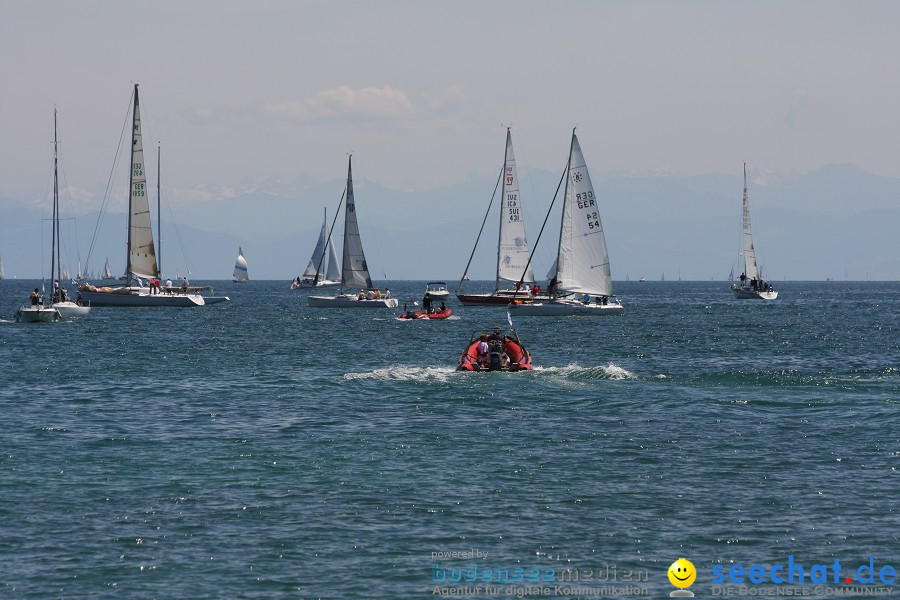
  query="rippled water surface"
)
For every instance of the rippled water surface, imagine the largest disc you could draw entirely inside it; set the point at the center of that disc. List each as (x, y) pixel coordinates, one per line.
(263, 449)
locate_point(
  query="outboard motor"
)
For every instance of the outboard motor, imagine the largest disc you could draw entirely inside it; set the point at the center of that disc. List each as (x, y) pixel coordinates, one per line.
(496, 365)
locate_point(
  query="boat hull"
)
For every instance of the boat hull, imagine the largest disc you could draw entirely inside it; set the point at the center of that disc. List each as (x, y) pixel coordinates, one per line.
(71, 310)
(751, 294)
(421, 314)
(519, 358)
(502, 297)
(215, 299)
(349, 301)
(309, 286)
(139, 297)
(37, 314)
(564, 308)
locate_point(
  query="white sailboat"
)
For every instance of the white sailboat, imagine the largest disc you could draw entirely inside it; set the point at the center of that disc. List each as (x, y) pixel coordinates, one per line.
(107, 271)
(581, 283)
(59, 307)
(751, 285)
(140, 258)
(354, 269)
(240, 268)
(324, 269)
(512, 248)
(2, 274)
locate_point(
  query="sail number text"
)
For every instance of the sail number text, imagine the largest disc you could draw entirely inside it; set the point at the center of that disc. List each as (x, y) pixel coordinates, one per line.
(137, 169)
(138, 189)
(512, 206)
(585, 201)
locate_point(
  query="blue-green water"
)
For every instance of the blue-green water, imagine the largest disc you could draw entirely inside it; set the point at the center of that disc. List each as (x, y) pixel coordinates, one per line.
(263, 449)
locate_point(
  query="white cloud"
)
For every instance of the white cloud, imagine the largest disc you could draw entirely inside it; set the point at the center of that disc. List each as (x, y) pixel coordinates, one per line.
(346, 104)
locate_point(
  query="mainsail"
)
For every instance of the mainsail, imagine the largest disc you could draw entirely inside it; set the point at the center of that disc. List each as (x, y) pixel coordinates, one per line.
(750, 269)
(316, 259)
(582, 264)
(512, 248)
(333, 272)
(240, 267)
(355, 271)
(141, 252)
(107, 272)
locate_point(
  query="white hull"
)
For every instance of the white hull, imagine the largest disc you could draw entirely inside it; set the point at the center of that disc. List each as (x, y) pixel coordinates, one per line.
(71, 310)
(134, 296)
(36, 314)
(438, 295)
(322, 284)
(349, 301)
(751, 294)
(215, 299)
(563, 308)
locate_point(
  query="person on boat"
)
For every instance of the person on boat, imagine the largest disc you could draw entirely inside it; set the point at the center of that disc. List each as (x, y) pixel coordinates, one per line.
(551, 288)
(184, 285)
(35, 297)
(426, 304)
(483, 350)
(743, 277)
(387, 292)
(79, 300)
(370, 295)
(169, 285)
(536, 289)
(443, 306)
(63, 295)
(586, 298)
(377, 293)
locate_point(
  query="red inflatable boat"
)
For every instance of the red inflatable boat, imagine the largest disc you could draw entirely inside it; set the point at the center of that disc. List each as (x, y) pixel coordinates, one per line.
(495, 351)
(421, 314)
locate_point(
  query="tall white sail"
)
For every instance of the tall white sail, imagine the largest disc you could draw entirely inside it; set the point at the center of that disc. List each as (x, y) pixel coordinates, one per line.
(355, 271)
(240, 267)
(750, 269)
(512, 249)
(582, 262)
(333, 272)
(2, 274)
(141, 252)
(107, 272)
(316, 259)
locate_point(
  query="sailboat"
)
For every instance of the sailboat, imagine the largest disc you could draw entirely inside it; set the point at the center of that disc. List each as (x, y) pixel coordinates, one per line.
(751, 284)
(2, 275)
(512, 248)
(107, 271)
(240, 268)
(323, 269)
(354, 270)
(582, 282)
(60, 307)
(140, 257)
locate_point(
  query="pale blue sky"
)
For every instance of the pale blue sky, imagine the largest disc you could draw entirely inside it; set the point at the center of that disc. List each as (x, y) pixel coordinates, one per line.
(419, 90)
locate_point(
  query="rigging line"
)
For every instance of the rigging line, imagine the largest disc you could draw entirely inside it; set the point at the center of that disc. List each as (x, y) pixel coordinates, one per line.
(547, 216)
(184, 253)
(325, 247)
(109, 182)
(486, 213)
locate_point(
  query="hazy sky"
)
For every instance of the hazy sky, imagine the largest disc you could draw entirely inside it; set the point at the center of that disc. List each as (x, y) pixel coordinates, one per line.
(418, 90)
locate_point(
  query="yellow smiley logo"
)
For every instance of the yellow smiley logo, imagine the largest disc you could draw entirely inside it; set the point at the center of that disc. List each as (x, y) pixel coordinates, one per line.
(682, 573)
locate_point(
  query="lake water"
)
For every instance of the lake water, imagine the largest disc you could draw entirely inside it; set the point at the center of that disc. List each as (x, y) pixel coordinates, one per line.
(262, 449)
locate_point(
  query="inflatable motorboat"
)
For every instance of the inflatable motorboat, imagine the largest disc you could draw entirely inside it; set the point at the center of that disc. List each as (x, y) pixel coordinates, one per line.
(496, 350)
(423, 314)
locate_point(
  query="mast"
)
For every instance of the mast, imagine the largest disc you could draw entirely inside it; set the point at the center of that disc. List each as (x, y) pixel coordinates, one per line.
(54, 252)
(134, 126)
(502, 198)
(158, 214)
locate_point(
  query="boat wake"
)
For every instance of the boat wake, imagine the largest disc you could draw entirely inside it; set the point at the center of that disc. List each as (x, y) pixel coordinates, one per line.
(578, 372)
(406, 373)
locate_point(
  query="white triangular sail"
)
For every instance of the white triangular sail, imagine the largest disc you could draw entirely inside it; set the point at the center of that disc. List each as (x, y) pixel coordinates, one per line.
(512, 248)
(107, 272)
(750, 269)
(333, 272)
(141, 252)
(240, 267)
(582, 264)
(2, 274)
(316, 258)
(355, 271)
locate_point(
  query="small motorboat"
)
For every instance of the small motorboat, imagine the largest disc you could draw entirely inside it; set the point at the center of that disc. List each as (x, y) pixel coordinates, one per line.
(496, 350)
(423, 314)
(437, 290)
